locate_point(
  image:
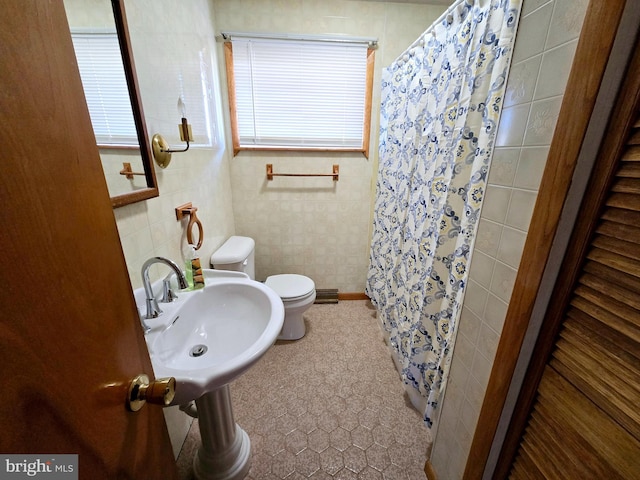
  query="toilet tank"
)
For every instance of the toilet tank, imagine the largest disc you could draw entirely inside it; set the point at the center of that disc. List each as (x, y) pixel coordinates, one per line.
(236, 254)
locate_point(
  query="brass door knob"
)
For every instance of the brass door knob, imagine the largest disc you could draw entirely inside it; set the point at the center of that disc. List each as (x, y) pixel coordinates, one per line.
(158, 392)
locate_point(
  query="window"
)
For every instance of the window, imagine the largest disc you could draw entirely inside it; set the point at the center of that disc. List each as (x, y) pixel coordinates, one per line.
(107, 94)
(299, 94)
(105, 87)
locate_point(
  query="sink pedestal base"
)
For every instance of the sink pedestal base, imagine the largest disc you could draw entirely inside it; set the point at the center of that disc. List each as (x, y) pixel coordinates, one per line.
(225, 452)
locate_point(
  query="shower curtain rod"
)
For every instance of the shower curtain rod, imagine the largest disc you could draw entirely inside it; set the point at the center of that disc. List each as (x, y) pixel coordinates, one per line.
(371, 42)
(440, 19)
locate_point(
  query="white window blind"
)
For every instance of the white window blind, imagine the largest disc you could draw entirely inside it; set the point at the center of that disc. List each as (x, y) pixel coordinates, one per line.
(299, 93)
(105, 87)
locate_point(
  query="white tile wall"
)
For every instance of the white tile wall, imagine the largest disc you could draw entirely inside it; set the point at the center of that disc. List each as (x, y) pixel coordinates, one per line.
(200, 175)
(496, 203)
(314, 226)
(530, 167)
(542, 120)
(503, 166)
(323, 230)
(545, 45)
(513, 123)
(554, 72)
(97, 14)
(310, 227)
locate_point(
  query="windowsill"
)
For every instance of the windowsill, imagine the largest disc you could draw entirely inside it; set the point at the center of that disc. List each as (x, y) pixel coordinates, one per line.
(266, 148)
(194, 146)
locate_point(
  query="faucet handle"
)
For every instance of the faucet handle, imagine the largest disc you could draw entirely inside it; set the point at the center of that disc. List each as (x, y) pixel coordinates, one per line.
(153, 311)
(168, 295)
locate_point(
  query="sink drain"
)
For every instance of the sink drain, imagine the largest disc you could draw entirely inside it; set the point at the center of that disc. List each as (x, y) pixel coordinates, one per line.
(198, 350)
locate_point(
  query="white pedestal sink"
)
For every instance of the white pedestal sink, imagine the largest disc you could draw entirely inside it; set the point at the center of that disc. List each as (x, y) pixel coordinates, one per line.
(225, 452)
(205, 339)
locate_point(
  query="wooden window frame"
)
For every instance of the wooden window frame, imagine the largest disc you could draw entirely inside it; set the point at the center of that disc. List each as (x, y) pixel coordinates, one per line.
(366, 132)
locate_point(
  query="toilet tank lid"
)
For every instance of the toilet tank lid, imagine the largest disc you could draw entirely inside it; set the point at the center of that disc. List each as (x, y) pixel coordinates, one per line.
(235, 249)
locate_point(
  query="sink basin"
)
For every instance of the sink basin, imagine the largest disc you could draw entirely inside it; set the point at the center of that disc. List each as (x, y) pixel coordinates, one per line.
(208, 337)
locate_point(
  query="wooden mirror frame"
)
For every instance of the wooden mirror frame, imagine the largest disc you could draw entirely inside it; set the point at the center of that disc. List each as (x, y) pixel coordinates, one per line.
(126, 51)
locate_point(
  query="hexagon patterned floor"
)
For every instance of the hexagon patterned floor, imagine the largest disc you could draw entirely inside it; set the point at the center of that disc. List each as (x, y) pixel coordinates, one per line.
(330, 405)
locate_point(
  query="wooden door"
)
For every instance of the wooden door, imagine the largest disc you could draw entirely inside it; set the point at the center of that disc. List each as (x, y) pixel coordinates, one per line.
(577, 415)
(70, 338)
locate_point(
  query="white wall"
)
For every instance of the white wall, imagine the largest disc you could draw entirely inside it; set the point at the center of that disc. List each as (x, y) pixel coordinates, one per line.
(328, 228)
(313, 226)
(545, 45)
(168, 40)
(304, 227)
(167, 37)
(97, 15)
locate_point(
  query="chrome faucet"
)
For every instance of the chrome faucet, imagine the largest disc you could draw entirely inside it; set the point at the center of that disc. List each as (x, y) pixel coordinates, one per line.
(153, 310)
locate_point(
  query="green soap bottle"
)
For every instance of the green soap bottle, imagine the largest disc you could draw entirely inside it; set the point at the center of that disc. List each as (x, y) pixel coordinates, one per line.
(193, 269)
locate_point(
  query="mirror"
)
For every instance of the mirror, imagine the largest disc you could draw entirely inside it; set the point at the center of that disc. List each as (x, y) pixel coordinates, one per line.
(101, 39)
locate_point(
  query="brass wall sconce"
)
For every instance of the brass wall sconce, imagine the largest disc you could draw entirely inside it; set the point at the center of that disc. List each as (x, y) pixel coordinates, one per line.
(161, 150)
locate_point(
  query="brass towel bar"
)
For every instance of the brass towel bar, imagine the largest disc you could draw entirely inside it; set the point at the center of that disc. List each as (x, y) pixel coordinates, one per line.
(335, 174)
(127, 172)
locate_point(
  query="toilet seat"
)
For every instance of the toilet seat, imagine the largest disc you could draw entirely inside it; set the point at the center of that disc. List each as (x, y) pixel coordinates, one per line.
(291, 287)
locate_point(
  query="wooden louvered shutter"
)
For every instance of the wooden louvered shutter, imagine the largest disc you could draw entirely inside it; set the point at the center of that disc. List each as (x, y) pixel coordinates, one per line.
(585, 417)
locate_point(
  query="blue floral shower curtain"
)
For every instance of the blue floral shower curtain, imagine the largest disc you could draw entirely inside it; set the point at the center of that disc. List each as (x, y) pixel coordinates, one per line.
(441, 103)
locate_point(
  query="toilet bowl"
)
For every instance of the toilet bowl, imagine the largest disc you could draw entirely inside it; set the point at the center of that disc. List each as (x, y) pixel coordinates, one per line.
(297, 292)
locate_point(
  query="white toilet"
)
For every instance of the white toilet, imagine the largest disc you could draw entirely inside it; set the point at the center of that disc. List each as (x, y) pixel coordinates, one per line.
(296, 291)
